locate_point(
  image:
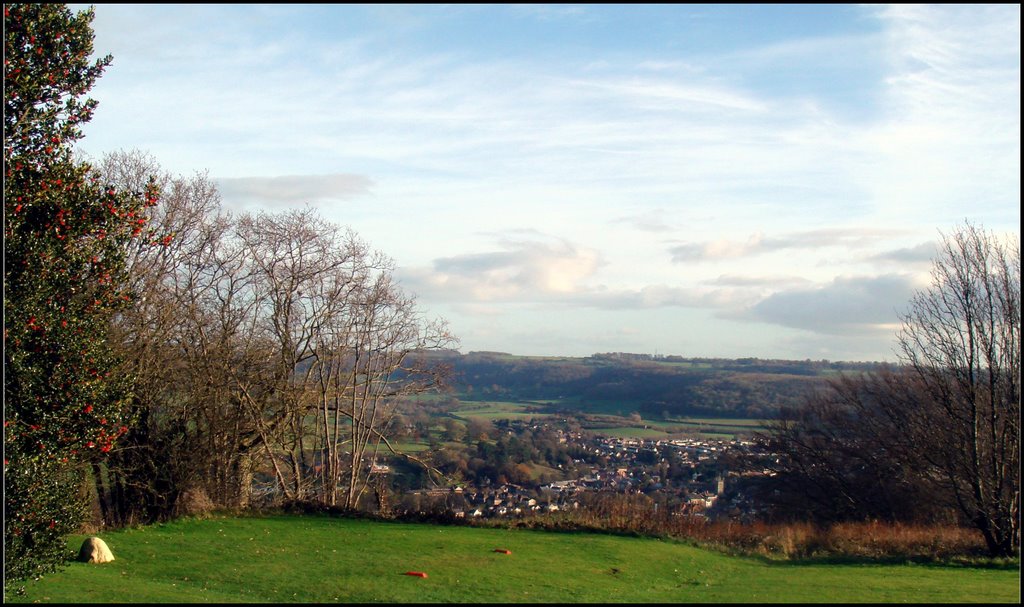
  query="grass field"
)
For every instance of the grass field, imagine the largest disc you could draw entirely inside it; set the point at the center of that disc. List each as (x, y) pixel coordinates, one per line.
(320, 559)
(724, 428)
(747, 424)
(493, 410)
(630, 432)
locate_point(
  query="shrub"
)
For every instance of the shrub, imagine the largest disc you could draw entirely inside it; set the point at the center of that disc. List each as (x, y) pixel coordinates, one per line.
(65, 239)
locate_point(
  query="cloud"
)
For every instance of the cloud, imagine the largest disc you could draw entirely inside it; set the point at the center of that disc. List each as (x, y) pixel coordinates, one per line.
(293, 189)
(909, 120)
(525, 270)
(863, 303)
(552, 278)
(775, 282)
(923, 253)
(758, 244)
(548, 12)
(649, 221)
(661, 95)
(950, 137)
(530, 267)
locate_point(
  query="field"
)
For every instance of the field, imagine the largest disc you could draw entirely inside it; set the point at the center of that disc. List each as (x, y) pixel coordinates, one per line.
(494, 410)
(621, 426)
(321, 559)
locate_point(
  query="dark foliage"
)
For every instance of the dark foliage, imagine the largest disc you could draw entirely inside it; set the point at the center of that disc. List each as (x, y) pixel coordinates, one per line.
(65, 234)
(743, 388)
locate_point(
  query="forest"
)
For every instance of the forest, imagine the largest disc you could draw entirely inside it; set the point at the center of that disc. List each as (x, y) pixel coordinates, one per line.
(662, 387)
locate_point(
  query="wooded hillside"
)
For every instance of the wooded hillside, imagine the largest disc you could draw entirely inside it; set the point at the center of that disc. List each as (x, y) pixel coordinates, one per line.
(653, 386)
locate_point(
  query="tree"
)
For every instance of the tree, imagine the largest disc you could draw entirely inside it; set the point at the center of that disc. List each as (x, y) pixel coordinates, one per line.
(65, 240)
(940, 430)
(273, 344)
(479, 429)
(170, 447)
(961, 343)
(848, 458)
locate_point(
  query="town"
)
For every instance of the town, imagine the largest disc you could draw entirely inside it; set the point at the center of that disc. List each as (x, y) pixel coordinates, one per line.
(695, 476)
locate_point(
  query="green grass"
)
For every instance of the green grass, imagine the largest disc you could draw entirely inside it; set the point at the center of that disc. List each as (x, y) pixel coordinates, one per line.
(725, 428)
(494, 410)
(714, 428)
(630, 432)
(536, 470)
(753, 424)
(411, 446)
(321, 559)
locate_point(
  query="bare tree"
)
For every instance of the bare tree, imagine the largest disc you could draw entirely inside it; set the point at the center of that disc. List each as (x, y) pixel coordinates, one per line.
(942, 429)
(961, 342)
(303, 269)
(847, 455)
(166, 449)
(384, 333)
(267, 343)
(340, 333)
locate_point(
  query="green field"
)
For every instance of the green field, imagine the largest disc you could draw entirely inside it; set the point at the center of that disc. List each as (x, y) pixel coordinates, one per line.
(727, 422)
(410, 446)
(722, 428)
(321, 559)
(493, 410)
(630, 432)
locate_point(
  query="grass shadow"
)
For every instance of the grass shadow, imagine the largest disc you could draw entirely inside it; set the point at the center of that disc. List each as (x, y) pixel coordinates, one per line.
(952, 563)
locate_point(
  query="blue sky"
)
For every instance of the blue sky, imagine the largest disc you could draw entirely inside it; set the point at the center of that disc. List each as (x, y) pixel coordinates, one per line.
(701, 180)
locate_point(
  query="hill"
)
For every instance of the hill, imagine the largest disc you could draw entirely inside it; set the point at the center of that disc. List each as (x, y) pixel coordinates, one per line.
(663, 386)
(317, 559)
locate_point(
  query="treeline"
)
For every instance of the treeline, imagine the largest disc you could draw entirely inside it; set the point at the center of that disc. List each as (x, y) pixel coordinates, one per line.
(656, 387)
(936, 439)
(500, 453)
(273, 343)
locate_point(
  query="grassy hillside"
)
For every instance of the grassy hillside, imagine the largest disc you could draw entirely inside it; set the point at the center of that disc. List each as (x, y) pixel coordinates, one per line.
(321, 559)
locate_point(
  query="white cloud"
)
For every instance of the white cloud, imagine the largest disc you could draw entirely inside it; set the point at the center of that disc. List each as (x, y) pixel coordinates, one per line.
(292, 189)
(524, 270)
(920, 254)
(948, 144)
(774, 282)
(758, 243)
(844, 306)
(653, 220)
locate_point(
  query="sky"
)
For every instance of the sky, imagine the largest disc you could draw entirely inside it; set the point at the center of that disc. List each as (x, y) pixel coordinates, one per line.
(560, 180)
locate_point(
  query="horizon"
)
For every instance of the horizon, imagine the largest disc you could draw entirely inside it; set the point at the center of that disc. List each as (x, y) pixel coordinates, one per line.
(725, 181)
(659, 356)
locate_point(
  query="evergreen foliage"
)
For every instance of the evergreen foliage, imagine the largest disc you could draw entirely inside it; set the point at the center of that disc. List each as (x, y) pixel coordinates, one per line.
(65, 236)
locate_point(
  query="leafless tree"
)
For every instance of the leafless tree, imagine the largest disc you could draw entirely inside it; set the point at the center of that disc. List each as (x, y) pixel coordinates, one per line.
(270, 342)
(383, 335)
(961, 343)
(173, 349)
(846, 455)
(339, 335)
(941, 429)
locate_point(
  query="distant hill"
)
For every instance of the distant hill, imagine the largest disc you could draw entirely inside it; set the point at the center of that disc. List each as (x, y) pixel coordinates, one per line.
(653, 386)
